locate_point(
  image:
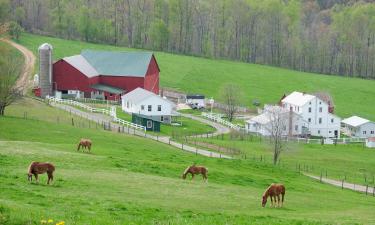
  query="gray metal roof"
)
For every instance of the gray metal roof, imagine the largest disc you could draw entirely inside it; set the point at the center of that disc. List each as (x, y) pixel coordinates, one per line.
(138, 95)
(81, 64)
(118, 63)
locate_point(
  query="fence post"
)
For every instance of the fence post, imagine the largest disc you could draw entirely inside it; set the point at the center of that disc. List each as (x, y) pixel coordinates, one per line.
(321, 176)
(342, 184)
(169, 141)
(366, 188)
(72, 121)
(182, 146)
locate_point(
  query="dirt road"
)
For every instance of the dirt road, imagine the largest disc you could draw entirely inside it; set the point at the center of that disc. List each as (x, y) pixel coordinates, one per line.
(24, 81)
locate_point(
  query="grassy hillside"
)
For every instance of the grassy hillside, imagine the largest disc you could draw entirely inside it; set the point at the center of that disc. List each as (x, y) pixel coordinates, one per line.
(268, 84)
(129, 180)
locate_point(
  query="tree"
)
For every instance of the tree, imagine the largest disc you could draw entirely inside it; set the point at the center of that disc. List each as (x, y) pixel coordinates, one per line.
(231, 96)
(9, 71)
(278, 118)
(15, 30)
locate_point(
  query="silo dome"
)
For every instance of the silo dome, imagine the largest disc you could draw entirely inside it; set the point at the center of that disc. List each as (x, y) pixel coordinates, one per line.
(45, 46)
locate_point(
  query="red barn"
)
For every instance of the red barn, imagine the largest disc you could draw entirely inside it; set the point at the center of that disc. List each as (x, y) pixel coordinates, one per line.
(105, 75)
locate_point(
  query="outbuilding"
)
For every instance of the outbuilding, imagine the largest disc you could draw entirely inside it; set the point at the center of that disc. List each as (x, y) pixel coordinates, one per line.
(150, 123)
(196, 101)
(356, 126)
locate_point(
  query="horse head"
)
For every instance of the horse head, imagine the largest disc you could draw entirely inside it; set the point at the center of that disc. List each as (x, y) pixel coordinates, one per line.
(183, 176)
(264, 200)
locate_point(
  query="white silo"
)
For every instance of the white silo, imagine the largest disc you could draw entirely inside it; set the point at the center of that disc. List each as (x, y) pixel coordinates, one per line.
(45, 69)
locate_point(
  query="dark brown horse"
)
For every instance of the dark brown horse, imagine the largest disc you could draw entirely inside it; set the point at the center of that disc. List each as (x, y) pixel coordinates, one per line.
(36, 168)
(274, 191)
(85, 143)
(193, 170)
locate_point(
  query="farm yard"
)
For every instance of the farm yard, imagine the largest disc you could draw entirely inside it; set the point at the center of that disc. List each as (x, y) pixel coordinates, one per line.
(134, 180)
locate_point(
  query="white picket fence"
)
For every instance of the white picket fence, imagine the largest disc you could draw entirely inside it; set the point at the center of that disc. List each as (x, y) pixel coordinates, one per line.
(97, 110)
(218, 119)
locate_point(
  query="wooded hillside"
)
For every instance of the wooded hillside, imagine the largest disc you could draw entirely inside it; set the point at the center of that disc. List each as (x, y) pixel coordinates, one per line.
(323, 36)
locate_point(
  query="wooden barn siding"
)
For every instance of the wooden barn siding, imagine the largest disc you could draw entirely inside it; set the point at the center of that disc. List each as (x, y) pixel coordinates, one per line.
(66, 77)
(152, 77)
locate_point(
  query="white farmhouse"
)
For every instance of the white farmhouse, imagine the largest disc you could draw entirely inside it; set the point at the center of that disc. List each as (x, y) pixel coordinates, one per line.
(318, 113)
(291, 122)
(149, 104)
(356, 126)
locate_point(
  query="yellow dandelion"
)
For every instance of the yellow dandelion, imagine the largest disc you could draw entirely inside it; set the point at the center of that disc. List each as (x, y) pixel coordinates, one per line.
(43, 221)
(60, 223)
(50, 221)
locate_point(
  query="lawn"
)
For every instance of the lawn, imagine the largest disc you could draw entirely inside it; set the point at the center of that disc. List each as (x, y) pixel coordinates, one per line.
(187, 126)
(265, 83)
(131, 180)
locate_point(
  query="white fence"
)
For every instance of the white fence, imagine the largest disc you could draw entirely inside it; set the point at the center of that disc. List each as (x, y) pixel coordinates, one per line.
(327, 140)
(218, 119)
(97, 110)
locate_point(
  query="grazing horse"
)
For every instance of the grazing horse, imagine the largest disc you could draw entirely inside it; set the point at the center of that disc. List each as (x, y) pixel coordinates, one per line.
(36, 168)
(85, 143)
(274, 190)
(195, 170)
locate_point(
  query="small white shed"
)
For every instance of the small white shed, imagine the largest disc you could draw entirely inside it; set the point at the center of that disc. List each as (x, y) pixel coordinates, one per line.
(358, 127)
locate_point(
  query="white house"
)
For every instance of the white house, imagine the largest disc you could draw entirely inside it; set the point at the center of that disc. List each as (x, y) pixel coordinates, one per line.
(291, 122)
(370, 142)
(358, 127)
(149, 104)
(196, 101)
(317, 113)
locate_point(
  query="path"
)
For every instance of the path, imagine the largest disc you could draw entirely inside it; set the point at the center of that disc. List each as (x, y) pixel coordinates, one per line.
(100, 118)
(23, 81)
(351, 186)
(220, 129)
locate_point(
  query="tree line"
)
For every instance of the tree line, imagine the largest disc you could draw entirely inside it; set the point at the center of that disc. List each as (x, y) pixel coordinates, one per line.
(322, 36)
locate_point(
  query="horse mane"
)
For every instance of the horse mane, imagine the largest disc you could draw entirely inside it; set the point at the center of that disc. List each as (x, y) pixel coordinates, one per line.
(266, 191)
(30, 167)
(187, 169)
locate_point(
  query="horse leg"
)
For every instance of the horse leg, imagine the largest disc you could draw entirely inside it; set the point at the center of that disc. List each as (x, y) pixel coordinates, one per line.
(36, 178)
(205, 178)
(50, 177)
(282, 199)
(192, 176)
(271, 201)
(278, 200)
(79, 146)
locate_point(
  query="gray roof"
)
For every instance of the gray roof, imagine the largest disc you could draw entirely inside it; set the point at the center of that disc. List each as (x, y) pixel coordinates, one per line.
(139, 94)
(107, 88)
(109, 63)
(119, 63)
(81, 64)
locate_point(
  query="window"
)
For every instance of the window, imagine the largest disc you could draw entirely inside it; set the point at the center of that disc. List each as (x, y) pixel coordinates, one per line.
(330, 131)
(149, 108)
(320, 120)
(149, 124)
(309, 109)
(320, 103)
(318, 131)
(320, 109)
(309, 103)
(332, 120)
(296, 127)
(127, 104)
(159, 108)
(162, 118)
(142, 107)
(364, 132)
(110, 94)
(309, 120)
(372, 132)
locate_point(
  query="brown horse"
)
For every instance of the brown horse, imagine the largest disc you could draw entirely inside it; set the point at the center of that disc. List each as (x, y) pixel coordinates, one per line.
(193, 170)
(85, 143)
(36, 168)
(274, 190)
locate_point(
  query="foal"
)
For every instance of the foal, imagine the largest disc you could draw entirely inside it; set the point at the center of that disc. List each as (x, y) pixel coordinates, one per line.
(85, 143)
(193, 170)
(274, 190)
(36, 168)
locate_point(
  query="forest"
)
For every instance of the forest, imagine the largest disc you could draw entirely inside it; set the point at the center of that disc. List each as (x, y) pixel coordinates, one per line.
(322, 36)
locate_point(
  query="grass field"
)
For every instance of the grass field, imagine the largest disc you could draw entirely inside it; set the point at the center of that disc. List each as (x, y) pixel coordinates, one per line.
(128, 180)
(353, 162)
(206, 76)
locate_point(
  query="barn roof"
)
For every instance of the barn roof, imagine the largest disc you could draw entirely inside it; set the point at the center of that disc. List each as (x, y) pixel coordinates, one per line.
(108, 63)
(118, 63)
(355, 121)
